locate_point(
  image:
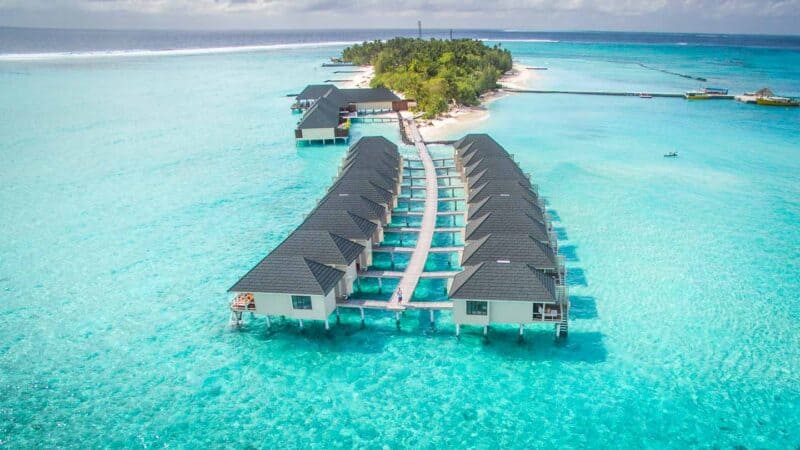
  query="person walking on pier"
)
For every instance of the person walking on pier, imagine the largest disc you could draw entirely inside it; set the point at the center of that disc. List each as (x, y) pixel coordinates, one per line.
(399, 295)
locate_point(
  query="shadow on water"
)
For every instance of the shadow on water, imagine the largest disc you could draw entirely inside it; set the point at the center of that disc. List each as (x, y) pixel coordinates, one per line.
(540, 345)
(576, 277)
(561, 233)
(570, 252)
(554, 215)
(582, 307)
(347, 336)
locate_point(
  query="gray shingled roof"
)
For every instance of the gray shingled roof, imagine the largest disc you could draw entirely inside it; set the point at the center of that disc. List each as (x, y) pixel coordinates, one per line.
(493, 174)
(481, 139)
(475, 153)
(511, 187)
(367, 188)
(321, 246)
(323, 114)
(375, 162)
(498, 164)
(514, 248)
(507, 223)
(505, 203)
(375, 141)
(503, 281)
(343, 223)
(315, 91)
(289, 274)
(358, 95)
(380, 177)
(356, 204)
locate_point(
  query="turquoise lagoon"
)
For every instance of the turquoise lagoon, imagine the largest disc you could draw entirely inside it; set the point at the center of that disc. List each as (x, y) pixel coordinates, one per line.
(135, 191)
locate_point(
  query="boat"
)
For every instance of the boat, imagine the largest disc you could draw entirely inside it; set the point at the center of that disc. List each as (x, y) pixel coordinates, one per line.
(777, 101)
(645, 95)
(671, 155)
(707, 94)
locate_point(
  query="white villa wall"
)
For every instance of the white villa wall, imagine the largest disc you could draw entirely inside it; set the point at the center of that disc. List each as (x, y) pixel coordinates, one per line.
(374, 106)
(281, 305)
(511, 312)
(318, 133)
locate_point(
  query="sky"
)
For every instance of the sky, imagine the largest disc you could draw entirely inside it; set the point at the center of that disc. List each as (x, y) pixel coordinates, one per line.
(709, 16)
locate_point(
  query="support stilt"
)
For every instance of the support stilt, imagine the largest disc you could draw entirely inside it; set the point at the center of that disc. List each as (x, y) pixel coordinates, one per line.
(458, 330)
(433, 321)
(485, 330)
(327, 325)
(338, 319)
(269, 323)
(300, 321)
(521, 332)
(362, 316)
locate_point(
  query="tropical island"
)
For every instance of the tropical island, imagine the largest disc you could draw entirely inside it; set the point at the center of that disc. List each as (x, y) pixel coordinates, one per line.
(436, 73)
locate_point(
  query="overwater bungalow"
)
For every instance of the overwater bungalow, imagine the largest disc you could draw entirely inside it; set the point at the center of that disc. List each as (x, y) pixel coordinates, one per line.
(507, 203)
(358, 205)
(353, 100)
(497, 187)
(301, 277)
(349, 226)
(514, 248)
(508, 223)
(508, 293)
(323, 123)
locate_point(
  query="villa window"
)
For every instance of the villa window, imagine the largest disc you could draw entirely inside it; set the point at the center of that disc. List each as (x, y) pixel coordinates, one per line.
(301, 302)
(477, 308)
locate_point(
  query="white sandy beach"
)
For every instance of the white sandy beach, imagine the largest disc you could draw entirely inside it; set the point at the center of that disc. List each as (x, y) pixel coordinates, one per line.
(462, 118)
(459, 118)
(358, 80)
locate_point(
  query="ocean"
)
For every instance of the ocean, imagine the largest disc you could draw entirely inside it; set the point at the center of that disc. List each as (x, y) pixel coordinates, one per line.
(144, 172)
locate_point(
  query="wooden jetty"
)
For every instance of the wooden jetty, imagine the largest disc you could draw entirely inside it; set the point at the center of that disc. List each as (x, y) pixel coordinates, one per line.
(603, 93)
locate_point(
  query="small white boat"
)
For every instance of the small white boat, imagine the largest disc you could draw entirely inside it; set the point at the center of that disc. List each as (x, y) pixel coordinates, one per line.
(645, 95)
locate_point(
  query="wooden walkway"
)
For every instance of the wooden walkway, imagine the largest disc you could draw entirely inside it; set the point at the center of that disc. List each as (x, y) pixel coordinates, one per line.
(402, 275)
(425, 237)
(390, 249)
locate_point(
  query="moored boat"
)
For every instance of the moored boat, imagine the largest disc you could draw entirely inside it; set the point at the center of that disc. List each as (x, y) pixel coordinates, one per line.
(777, 101)
(707, 93)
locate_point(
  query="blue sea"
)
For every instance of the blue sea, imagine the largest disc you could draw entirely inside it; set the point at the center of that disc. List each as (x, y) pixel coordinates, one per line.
(140, 180)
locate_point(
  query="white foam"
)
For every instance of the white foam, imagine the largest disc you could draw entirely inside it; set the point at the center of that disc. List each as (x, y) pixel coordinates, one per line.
(171, 52)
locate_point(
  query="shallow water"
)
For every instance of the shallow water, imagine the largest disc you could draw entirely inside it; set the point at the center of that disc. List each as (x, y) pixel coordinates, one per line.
(135, 191)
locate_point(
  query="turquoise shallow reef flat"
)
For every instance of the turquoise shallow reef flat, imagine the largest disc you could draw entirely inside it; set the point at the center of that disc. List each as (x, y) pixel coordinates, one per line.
(135, 191)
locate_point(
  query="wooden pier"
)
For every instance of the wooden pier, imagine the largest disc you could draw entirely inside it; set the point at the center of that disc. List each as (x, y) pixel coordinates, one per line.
(601, 93)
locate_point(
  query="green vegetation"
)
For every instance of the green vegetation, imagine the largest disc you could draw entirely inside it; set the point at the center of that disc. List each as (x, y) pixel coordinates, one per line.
(434, 72)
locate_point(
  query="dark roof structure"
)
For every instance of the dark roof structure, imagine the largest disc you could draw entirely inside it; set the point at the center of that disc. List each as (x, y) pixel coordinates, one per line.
(354, 203)
(505, 203)
(289, 274)
(367, 188)
(321, 246)
(496, 187)
(343, 97)
(503, 280)
(368, 95)
(514, 248)
(508, 223)
(382, 178)
(323, 114)
(315, 91)
(343, 223)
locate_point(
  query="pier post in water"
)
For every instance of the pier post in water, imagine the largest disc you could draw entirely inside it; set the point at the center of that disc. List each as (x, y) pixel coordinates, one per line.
(458, 330)
(362, 316)
(269, 323)
(338, 319)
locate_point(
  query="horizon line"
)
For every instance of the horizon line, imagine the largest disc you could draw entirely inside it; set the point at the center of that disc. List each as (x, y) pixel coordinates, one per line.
(412, 29)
